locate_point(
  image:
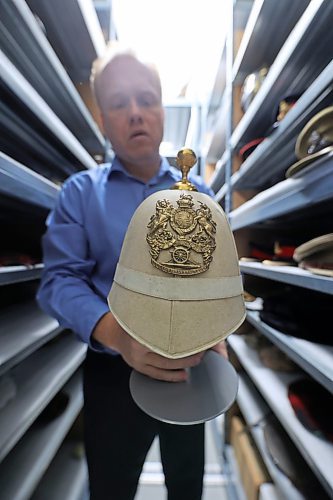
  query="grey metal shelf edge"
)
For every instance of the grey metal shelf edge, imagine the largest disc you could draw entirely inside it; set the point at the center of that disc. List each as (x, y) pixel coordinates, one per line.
(217, 181)
(18, 181)
(74, 32)
(18, 274)
(24, 467)
(23, 41)
(24, 91)
(37, 380)
(299, 62)
(66, 478)
(312, 185)
(277, 152)
(315, 359)
(273, 387)
(291, 275)
(281, 17)
(24, 329)
(254, 411)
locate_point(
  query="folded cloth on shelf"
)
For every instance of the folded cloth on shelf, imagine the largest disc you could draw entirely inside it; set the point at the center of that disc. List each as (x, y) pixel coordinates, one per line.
(301, 313)
(316, 255)
(277, 253)
(270, 355)
(313, 406)
(314, 141)
(275, 359)
(249, 147)
(289, 461)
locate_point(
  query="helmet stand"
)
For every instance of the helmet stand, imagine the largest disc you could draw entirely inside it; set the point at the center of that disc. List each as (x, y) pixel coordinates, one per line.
(210, 390)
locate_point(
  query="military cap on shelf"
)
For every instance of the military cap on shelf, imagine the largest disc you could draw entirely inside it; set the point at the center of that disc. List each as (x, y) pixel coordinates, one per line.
(316, 255)
(287, 458)
(314, 141)
(251, 86)
(313, 406)
(177, 287)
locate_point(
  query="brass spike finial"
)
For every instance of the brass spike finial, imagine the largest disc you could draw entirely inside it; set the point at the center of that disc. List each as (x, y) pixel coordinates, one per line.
(186, 159)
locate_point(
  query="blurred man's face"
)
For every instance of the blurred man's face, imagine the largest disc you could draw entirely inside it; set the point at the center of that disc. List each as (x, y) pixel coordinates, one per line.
(132, 111)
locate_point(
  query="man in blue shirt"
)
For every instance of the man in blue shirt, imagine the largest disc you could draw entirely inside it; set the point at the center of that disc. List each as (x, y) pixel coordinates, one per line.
(81, 249)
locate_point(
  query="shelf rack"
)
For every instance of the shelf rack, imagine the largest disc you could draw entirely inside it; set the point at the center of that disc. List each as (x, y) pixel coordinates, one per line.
(37, 379)
(273, 387)
(315, 359)
(289, 274)
(24, 467)
(309, 187)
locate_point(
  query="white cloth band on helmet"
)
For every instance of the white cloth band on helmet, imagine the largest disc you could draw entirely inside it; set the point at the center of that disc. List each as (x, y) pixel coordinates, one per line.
(178, 288)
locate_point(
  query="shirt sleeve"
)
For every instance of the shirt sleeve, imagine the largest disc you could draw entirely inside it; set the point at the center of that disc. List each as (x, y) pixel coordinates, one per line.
(65, 290)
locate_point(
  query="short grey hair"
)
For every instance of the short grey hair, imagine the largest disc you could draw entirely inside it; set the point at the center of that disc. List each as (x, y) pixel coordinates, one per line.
(115, 49)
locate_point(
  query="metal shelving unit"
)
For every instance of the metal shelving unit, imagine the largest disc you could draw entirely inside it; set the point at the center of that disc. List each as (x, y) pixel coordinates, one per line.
(24, 333)
(27, 94)
(24, 184)
(277, 152)
(309, 187)
(18, 274)
(48, 132)
(300, 60)
(37, 379)
(23, 41)
(66, 477)
(288, 274)
(317, 452)
(255, 411)
(252, 52)
(24, 467)
(315, 359)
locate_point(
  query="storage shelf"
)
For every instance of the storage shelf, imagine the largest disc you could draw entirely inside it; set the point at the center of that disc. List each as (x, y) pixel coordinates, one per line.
(76, 36)
(235, 490)
(24, 328)
(291, 275)
(18, 274)
(302, 57)
(25, 44)
(315, 359)
(311, 186)
(24, 91)
(281, 18)
(277, 152)
(20, 182)
(218, 177)
(66, 478)
(273, 386)
(37, 380)
(23, 468)
(247, 399)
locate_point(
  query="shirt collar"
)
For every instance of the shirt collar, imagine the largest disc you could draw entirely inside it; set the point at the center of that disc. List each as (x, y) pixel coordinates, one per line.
(165, 169)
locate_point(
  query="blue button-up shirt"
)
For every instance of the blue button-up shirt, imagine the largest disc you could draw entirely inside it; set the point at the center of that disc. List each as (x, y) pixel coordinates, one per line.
(84, 236)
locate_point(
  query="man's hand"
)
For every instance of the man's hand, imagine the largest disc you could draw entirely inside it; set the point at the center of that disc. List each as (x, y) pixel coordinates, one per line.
(109, 333)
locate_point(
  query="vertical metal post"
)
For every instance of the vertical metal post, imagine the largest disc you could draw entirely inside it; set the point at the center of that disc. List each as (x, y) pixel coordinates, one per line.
(229, 97)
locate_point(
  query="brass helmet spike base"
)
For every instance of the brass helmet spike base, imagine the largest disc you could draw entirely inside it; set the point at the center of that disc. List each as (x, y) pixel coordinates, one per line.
(186, 159)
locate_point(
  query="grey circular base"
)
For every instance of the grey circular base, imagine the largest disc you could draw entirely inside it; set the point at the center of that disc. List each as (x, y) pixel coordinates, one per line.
(210, 390)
